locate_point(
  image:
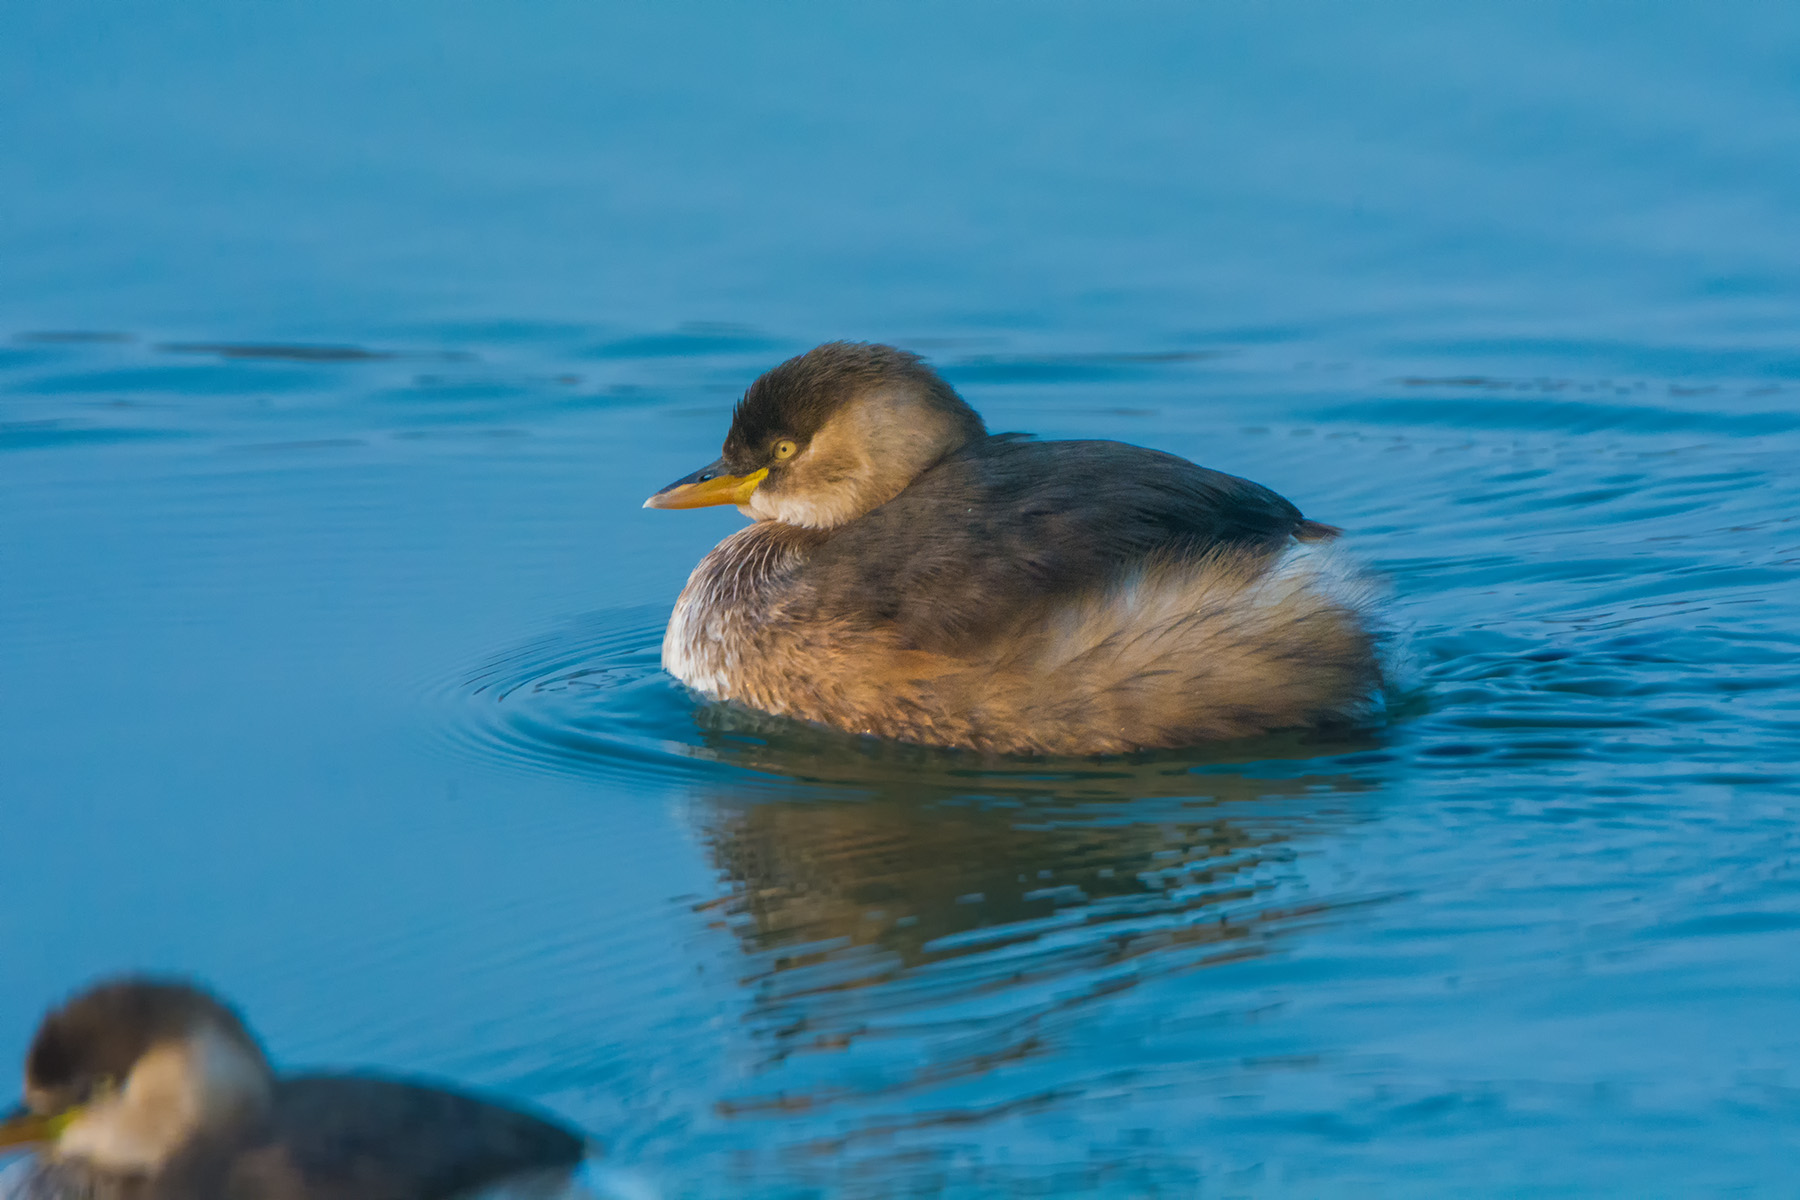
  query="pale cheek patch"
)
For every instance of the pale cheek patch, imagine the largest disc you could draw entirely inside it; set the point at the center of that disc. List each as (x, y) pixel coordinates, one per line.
(137, 1129)
(818, 511)
(173, 1092)
(862, 458)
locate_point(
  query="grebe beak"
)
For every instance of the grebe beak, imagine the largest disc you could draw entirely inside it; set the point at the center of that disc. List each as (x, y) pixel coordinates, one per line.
(22, 1127)
(712, 484)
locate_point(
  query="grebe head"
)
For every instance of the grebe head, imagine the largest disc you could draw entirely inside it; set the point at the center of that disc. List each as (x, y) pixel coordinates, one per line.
(126, 1074)
(825, 437)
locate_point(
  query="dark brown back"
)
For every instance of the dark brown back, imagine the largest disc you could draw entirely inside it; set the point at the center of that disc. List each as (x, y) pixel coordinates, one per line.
(998, 529)
(353, 1137)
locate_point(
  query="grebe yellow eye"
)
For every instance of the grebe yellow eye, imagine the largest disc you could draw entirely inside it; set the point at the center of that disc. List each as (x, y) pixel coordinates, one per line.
(785, 448)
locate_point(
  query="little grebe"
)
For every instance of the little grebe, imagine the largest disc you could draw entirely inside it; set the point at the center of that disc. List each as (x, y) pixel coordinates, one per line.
(153, 1089)
(912, 576)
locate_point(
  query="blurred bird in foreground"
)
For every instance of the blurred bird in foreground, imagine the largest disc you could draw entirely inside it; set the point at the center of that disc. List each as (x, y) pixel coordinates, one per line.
(153, 1089)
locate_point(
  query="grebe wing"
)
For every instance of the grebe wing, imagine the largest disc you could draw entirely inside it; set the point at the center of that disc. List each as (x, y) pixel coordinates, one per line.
(992, 533)
(365, 1137)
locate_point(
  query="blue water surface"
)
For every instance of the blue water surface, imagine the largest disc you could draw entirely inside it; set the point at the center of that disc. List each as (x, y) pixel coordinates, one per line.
(339, 344)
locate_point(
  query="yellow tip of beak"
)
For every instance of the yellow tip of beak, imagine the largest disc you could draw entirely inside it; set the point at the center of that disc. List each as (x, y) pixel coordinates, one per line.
(707, 487)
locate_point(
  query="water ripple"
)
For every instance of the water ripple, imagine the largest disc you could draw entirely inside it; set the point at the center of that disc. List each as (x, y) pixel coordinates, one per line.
(592, 699)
